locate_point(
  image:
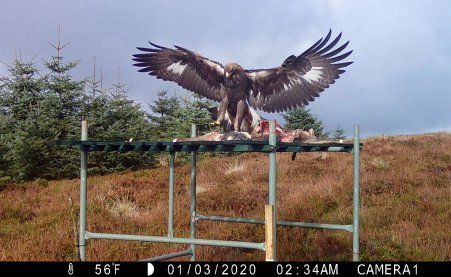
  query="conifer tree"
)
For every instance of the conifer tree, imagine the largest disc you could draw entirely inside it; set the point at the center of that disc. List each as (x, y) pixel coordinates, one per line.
(20, 105)
(339, 134)
(302, 118)
(173, 116)
(36, 109)
(63, 107)
(115, 117)
(165, 116)
(194, 109)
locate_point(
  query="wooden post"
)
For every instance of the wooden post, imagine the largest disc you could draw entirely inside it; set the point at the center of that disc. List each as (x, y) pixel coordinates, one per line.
(269, 232)
(271, 218)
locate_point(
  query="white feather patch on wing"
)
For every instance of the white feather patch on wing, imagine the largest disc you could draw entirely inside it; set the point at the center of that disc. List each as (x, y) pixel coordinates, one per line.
(259, 74)
(177, 68)
(216, 66)
(314, 74)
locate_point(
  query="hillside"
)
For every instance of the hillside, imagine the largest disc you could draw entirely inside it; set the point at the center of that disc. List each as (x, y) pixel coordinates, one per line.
(405, 206)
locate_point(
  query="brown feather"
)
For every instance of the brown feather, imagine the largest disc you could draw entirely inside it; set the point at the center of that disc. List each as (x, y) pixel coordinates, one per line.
(293, 84)
(298, 81)
(187, 68)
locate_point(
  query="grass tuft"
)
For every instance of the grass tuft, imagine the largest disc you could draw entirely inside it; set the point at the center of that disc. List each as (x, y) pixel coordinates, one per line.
(405, 206)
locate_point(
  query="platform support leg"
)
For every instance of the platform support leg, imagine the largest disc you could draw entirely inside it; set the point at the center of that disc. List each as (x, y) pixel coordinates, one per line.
(193, 197)
(271, 246)
(356, 223)
(269, 233)
(171, 196)
(83, 191)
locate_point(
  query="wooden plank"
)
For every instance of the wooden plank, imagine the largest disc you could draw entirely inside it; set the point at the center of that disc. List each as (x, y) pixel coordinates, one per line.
(269, 233)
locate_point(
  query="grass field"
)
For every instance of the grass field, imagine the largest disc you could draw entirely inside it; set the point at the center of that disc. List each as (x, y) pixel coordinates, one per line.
(405, 206)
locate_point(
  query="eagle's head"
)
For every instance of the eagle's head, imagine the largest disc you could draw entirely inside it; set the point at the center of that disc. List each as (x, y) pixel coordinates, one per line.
(232, 68)
(232, 73)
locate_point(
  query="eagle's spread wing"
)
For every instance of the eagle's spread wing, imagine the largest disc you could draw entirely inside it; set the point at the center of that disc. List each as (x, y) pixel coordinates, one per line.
(187, 68)
(299, 79)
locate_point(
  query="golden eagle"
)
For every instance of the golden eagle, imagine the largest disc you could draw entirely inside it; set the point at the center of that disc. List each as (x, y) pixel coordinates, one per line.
(293, 84)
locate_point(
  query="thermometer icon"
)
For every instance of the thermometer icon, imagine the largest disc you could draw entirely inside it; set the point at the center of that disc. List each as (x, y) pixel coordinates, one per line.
(71, 269)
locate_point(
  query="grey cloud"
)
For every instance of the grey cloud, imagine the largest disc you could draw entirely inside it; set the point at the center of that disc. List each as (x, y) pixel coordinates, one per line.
(397, 84)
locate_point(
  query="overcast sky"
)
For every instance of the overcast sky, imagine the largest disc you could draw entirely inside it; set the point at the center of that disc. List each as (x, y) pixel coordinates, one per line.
(398, 83)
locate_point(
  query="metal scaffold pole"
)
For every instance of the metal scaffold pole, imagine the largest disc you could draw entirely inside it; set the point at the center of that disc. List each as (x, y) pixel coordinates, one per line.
(193, 196)
(171, 195)
(83, 191)
(271, 148)
(271, 219)
(355, 232)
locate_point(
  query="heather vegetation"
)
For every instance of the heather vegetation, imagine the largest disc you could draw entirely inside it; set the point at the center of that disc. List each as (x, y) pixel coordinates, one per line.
(405, 180)
(405, 206)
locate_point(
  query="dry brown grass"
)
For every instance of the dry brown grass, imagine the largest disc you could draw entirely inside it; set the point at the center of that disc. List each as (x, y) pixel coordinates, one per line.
(405, 206)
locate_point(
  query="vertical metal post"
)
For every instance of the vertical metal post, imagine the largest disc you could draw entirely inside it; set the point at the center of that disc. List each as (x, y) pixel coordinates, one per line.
(193, 197)
(272, 184)
(171, 196)
(355, 224)
(83, 191)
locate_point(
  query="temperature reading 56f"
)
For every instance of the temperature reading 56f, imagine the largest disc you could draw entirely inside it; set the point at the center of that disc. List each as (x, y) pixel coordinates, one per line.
(107, 269)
